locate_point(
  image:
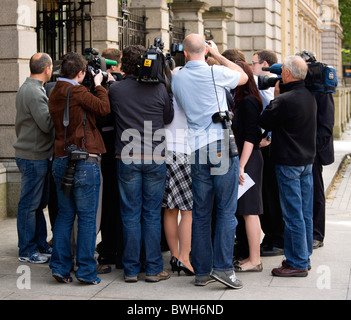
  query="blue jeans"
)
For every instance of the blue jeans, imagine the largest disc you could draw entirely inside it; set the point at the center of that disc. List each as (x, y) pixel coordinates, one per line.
(83, 202)
(215, 176)
(31, 224)
(296, 200)
(141, 191)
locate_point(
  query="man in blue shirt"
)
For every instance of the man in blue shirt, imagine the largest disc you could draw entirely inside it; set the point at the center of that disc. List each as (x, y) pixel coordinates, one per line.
(200, 90)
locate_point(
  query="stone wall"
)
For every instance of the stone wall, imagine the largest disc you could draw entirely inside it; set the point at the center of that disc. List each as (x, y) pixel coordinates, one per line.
(285, 26)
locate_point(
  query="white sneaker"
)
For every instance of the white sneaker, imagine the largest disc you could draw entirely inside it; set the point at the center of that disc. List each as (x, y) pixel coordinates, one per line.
(35, 258)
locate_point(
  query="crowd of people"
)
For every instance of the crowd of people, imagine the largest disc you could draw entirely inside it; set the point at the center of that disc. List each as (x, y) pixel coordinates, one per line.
(139, 162)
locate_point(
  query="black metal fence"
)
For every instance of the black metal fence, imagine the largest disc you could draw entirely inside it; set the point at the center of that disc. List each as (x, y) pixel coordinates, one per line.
(131, 27)
(66, 25)
(63, 26)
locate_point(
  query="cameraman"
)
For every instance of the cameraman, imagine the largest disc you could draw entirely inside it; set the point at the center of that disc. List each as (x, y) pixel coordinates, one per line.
(199, 90)
(324, 155)
(84, 196)
(291, 117)
(141, 110)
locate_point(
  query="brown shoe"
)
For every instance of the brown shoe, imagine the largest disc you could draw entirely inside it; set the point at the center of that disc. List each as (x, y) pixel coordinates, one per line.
(287, 271)
(308, 268)
(163, 275)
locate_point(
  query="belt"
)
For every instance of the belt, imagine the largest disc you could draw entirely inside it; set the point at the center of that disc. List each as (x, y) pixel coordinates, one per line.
(93, 158)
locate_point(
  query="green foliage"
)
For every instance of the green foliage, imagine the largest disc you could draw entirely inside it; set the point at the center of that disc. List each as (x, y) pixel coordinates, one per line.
(345, 21)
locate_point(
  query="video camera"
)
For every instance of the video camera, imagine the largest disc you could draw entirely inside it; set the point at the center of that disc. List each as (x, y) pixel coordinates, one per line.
(176, 48)
(96, 62)
(320, 77)
(154, 66)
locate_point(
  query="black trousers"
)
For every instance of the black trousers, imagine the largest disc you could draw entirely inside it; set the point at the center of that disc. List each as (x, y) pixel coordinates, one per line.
(272, 222)
(111, 245)
(318, 201)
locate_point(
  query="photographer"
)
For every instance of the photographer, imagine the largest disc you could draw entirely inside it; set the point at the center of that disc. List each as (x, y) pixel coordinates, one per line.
(141, 110)
(291, 117)
(199, 90)
(77, 181)
(110, 248)
(272, 220)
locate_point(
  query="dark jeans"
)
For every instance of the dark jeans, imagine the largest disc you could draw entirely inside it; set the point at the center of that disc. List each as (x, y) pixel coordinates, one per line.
(141, 191)
(83, 202)
(31, 224)
(210, 179)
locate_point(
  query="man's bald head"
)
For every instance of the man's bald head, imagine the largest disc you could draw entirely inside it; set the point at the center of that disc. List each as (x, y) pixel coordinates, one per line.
(195, 46)
(39, 62)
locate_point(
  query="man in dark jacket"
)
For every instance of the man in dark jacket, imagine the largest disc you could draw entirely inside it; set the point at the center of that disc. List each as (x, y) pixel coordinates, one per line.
(141, 110)
(324, 155)
(291, 117)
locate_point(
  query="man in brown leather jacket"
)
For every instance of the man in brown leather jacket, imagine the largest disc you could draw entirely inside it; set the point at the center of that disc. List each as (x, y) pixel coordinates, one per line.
(77, 181)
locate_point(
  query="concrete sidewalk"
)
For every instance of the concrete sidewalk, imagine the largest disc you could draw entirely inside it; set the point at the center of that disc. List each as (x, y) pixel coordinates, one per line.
(329, 278)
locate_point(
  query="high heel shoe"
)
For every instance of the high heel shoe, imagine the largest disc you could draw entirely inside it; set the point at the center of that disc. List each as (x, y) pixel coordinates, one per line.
(173, 263)
(181, 267)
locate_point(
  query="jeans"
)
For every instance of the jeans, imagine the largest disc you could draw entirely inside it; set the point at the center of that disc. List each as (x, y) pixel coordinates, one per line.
(215, 176)
(83, 202)
(296, 199)
(31, 224)
(141, 191)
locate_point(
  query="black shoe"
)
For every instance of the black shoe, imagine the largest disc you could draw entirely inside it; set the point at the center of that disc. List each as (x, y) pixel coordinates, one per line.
(182, 267)
(173, 263)
(271, 251)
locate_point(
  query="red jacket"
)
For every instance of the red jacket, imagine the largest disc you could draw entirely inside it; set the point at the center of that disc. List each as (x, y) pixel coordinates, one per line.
(80, 99)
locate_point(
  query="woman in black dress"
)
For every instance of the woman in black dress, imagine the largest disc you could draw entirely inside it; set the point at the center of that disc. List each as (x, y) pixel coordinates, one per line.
(248, 107)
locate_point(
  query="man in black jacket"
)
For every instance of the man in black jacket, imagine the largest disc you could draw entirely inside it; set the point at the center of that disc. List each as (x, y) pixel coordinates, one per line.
(291, 117)
(140, 111)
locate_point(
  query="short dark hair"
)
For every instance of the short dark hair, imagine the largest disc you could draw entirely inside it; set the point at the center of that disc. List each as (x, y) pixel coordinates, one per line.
(112, 54)
(130, 58)
(267, 55)
(39, 62)
(72, 64)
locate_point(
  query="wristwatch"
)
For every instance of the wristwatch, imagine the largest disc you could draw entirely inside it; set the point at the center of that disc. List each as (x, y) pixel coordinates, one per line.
(269, 138)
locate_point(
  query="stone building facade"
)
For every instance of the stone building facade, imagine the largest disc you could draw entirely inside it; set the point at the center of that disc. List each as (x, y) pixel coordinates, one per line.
(285, 26)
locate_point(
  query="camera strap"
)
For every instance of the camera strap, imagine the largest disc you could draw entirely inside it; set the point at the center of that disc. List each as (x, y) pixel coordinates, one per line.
(214, 84)
(66, 119)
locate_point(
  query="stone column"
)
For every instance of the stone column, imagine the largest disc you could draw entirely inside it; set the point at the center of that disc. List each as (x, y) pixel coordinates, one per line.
(216, 20)
(18, 43)
(105, 24)
(190, 13)
(331, 34)
(157, 22)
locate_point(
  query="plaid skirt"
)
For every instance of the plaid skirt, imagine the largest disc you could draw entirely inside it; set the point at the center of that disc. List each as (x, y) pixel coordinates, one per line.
(178, 193)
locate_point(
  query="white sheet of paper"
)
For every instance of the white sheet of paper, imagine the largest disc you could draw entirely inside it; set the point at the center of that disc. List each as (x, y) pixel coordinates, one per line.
(247, 185)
